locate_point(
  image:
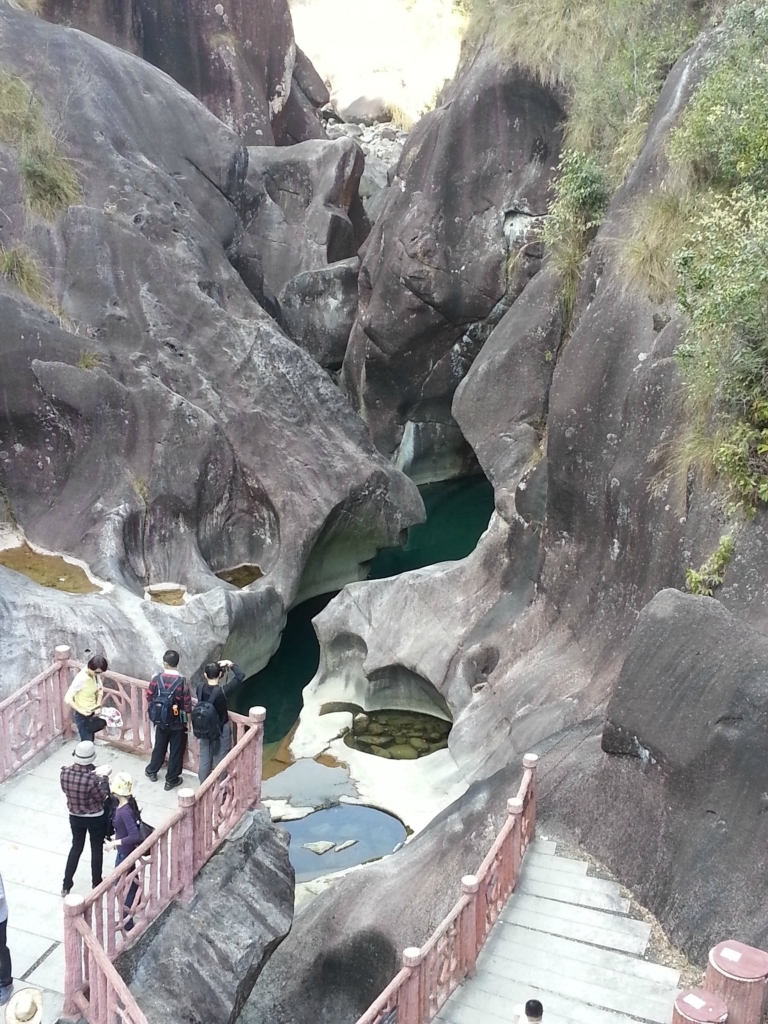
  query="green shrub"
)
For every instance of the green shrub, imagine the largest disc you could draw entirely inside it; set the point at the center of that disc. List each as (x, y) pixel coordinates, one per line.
(723, 138)
(89, 360)
(21, 267)
(580, 199)
(706, 579)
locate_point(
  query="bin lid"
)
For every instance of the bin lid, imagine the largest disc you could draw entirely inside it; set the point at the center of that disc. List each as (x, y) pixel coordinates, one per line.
(701, 1006)
(739, 960)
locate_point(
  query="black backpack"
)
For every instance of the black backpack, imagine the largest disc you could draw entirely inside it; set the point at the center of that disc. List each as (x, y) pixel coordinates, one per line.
(206, 724)
(161, 707)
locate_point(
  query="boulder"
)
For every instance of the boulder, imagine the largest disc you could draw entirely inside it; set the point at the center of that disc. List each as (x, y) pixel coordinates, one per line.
(303, 211)
(199, 963)
(674, 803)
(239, 59)
(157, 417)
(434, 270)
(318, 308)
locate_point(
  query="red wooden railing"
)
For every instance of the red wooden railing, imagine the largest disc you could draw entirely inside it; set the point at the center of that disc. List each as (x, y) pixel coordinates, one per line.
(33, 716)
(99, 926)
(430, 974)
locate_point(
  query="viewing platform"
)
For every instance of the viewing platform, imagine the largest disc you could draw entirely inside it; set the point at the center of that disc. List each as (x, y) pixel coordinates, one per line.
(34, 841)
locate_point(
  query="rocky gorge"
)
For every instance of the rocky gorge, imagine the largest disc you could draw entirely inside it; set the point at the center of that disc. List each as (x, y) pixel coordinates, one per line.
(250, 329)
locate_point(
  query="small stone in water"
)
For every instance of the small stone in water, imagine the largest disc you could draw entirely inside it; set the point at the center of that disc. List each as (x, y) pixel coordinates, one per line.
(403, 752)
(381, 752)
(345, 845)
(321, 847)
(418, 743)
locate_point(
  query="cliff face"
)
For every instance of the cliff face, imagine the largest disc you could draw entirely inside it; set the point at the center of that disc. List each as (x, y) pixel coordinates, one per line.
(152, 423)
(241, 62)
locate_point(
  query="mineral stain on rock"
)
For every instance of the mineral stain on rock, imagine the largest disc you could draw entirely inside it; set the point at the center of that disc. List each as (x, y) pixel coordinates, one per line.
(398, 735)
(48, 570)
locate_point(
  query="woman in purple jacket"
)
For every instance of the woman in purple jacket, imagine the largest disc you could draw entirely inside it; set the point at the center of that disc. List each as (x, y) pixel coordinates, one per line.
(126, 822)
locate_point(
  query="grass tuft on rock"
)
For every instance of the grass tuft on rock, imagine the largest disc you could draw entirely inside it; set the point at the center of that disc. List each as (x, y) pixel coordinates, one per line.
(20, 266)
(646, 258)
(48, 178)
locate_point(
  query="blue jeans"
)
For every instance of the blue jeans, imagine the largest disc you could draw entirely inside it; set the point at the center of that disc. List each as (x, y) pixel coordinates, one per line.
(133, 889)
(82, 731)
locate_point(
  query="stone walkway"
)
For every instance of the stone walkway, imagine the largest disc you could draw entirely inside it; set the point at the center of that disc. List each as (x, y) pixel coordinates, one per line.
(565, 938)
(34, 842)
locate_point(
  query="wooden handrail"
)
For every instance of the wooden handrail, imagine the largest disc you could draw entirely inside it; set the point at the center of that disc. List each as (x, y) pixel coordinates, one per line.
(432, 972)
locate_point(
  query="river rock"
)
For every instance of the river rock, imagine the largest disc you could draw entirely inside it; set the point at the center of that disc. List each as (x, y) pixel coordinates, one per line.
(241, 60)
(320, 847)
(403, 752)
(164, 456)
(199, 962)
(381, 751)
(346, 845)
(435, 263)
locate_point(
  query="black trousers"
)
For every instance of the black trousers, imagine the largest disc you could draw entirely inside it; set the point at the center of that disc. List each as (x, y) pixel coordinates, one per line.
(177, 740)
(6, 970)
(96, 828)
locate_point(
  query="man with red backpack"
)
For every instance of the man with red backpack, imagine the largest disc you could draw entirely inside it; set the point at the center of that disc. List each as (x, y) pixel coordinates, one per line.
(170, 705)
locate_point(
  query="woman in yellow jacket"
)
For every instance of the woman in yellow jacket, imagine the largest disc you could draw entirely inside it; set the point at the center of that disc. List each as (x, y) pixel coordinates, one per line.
(85, 694)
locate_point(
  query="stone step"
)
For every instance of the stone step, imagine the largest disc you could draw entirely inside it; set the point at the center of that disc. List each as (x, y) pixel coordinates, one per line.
(554, 863)
(542, 846)
(577, 894)
(655, 976)
(472, 1004)
(544, 873)
(575, 922)
(598, 986)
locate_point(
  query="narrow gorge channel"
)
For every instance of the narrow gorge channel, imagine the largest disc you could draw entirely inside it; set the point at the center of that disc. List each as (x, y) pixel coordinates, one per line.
(313, 795)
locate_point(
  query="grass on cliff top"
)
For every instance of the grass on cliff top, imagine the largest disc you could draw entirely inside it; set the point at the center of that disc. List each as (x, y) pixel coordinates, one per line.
(48, 178)
(610, 57)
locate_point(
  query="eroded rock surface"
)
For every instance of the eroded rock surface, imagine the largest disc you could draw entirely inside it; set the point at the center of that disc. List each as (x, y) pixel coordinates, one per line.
(160, 426)
(199, 962)
(434, 270)
(376, 911)
(239, 59)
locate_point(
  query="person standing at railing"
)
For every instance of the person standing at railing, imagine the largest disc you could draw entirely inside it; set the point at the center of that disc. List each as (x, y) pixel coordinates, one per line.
(127, 824)
(210, 717)
(86, 789)
(85, 695)
(170, 705)
(6, 968)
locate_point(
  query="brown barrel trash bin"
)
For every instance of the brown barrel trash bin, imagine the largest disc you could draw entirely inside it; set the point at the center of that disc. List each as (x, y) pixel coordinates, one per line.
(700, 1006)
(739, 975)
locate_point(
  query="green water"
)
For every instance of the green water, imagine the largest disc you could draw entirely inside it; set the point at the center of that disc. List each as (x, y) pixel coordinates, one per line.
(457, 514)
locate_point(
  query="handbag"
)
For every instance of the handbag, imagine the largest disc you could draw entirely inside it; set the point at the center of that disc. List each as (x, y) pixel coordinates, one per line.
(145, 830)
(94, 723)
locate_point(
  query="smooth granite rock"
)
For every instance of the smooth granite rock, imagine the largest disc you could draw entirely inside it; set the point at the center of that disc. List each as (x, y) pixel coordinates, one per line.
(160, 426)
(199, 963)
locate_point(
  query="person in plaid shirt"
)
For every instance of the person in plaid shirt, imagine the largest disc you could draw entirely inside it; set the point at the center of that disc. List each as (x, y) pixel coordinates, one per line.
(86, 789)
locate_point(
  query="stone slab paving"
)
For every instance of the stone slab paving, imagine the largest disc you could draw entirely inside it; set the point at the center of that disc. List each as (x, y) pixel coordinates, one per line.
(34, 842)
(564, 938)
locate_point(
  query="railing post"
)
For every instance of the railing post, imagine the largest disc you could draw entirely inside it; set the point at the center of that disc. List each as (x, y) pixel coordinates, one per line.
(410, 1004)
(257, 716)
(74, 982)
(470, 940)
(530, 762)
(62, 654)
(515, 810)
(186, 855)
